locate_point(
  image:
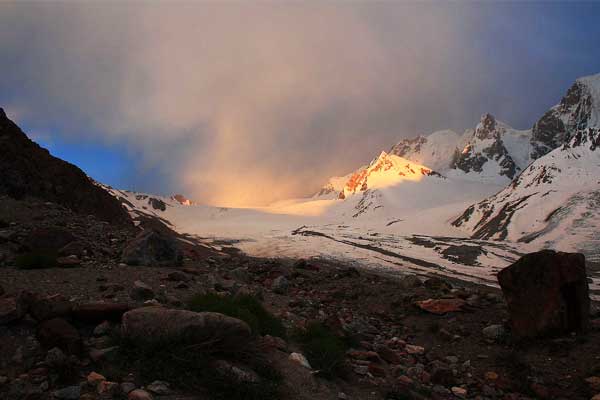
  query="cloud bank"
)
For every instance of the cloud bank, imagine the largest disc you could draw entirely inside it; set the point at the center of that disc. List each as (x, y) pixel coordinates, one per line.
(244, 103)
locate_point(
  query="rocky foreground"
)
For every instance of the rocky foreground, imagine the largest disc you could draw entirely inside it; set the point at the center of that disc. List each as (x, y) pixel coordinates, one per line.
(113, 312)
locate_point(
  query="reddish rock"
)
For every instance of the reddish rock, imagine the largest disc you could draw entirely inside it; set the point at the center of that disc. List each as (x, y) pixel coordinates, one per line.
(546, 293)
(59, 333)
(363, 355)
(377, 370)
(441, 306)
(99, 312)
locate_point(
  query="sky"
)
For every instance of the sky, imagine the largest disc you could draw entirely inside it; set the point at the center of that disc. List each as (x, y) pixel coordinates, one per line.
(245, 103)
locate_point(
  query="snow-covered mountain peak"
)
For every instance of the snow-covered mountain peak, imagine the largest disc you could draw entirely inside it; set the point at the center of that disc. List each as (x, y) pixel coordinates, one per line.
(577, 110)
(435, 150)
(385, 170)
(495, 152)
(181, 199)
(486, 129)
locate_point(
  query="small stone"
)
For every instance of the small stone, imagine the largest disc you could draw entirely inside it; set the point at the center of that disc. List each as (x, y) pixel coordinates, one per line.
(182, 285)
(494, 332)
(300, 359)
(10, 310)
(410, 281)
(412, 349)
(274, 342)
(376, 370)
(68, 393)
(107, 354)
(56, 358)
(127, 387)
(177, 276)
(159, 387)
(102, 329)
(491, 376)
(452, 359)
(239, 374)
(141, 291)
(280, 285)
(594, 383)
(240, 274)
(94, 378)
(139, 394)
(361, 369)
(71, 261)
(108, 388)
(459, 392)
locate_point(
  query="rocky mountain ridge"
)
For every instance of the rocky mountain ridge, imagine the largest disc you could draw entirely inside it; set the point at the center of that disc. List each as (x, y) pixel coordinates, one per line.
(30, 170)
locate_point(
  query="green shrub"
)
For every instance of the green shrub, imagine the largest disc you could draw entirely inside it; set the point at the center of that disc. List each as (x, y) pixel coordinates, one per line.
(247, 308)
(36, 260)
(324, 350)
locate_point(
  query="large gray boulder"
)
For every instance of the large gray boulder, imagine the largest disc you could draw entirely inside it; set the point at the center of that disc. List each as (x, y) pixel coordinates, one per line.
(152, 248)
(159, 326)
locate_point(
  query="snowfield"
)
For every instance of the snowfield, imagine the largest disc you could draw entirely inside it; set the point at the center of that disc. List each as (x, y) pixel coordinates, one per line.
(463, 206)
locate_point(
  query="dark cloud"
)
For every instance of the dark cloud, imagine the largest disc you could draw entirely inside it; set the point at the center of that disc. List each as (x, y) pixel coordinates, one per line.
(245, 103)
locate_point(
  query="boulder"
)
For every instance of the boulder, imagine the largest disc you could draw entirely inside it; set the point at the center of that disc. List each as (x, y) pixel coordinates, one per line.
(141, 292)
(50, 239)
(158, 325)
(57, 332)
(546, 293)
(139, 394)
(10, 310)
(48, 307)
(178, 276)
(280, 285)
(152, 248)
(98, 312)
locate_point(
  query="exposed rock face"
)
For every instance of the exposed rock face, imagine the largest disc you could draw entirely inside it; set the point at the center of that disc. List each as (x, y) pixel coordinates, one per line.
(546, 293)
(487, 145)
(152, 248)
(29, 170)
(556, 126)
(156, 325)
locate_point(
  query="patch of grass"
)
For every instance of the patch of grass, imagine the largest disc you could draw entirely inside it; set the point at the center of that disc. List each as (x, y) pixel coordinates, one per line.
(190, 369)
(247, 308)
(36, 260)
(324, 350)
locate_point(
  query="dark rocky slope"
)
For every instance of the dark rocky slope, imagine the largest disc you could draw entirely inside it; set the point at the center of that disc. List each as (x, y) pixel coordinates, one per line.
(26, 169)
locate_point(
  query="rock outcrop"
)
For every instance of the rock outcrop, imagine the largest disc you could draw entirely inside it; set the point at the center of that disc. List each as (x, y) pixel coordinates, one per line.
(546, 293)
(26, 169)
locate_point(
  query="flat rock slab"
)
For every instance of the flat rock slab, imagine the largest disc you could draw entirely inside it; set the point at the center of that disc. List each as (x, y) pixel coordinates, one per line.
(441, 306)
(158, 325)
